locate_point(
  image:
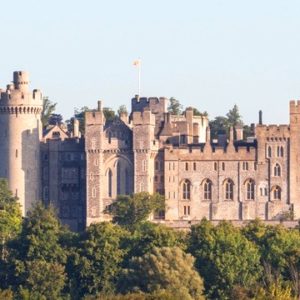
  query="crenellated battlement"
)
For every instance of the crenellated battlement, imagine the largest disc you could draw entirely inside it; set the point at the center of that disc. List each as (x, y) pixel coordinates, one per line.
(155, 104)
(18, 93)
(143, 118)
(272, 130)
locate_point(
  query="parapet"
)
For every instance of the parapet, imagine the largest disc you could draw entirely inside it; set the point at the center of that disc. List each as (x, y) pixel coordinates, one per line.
(272, 130)
(143, 118)
(156, 105)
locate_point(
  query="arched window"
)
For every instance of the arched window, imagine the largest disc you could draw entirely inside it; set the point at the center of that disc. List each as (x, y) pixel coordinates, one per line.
(186, 190)
(109, 183)
(207, 188)
(119, 178)
(250, 189)
(276, 193)
(269, 151)
(228, 189)
(127, 187)
(281, 151)
(277, 170)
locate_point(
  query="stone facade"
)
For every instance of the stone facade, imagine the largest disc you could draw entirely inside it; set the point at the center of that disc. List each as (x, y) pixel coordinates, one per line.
(149, 150)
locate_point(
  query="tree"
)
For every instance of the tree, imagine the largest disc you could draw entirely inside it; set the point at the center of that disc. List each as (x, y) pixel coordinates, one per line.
(224, 258)
(43, 280)
(196, 112)
(233, 116)
(175, 108)
(55, 119)
(109, 113)
(48, 109)
(100, 252)
(163, 269)
(218, 125)
(147, 236)
(122, 109)
(10, 217)
(131, 210)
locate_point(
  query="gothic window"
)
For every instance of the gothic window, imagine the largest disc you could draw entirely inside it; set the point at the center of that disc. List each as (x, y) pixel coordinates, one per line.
(228, 189)
(250, 189)
(109, 183)
(186, 190)
(276, 193)
(207, 187)
(118, 178)
(277, 170)
(269, 151)
(127, 186)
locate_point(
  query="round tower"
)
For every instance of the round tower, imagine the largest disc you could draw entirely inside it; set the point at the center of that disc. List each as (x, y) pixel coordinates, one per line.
(20, 135)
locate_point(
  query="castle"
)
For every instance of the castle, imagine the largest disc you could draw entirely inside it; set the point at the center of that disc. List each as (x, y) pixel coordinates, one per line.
(148, 150)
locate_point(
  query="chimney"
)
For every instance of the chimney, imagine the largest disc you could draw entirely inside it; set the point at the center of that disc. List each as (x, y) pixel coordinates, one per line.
(260, 118)
(99, 105)
(75, 128)
(239, 132)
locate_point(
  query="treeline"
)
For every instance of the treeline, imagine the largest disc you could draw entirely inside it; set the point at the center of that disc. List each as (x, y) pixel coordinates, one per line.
(132, 258)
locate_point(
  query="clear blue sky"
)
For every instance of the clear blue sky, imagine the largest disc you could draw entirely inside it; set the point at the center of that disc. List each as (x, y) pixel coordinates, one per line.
(209, 54)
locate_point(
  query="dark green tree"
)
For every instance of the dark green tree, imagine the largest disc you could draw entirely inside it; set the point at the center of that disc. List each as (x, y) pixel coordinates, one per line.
(164, 268)
(48, 109)
(97, 265)
(175, 108)
(224, 258)
(109, 113)
(131, 210)
(218, 125)
(10, 217)
(233, 116)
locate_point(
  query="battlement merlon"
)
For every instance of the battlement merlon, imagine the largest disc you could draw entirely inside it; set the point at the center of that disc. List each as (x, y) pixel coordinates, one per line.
(95, 117)
(156, 105)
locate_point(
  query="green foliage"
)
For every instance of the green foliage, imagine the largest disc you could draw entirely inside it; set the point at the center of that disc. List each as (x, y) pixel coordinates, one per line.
(233, 116)
(196, 112)
(175, 108)
(10, 217)
(164, 269)
(100, 253)
(224, 258)
(122, 109)
(48, 109)
(43, 280)
(109, 113)
(131, 210)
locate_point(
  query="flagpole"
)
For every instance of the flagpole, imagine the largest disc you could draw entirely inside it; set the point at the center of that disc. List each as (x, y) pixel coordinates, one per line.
(139, 74)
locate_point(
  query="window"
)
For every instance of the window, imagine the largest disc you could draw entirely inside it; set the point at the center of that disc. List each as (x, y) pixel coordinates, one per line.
(187, 210)
(127, 184)
(250, 189)
(109, 183)
(118, 178)
(277, 170)
(109, 137)
(186, 190)
(156, 165)
(207, 189)
(245, 166)
(269, 153)
(228, 189)
(186, 166)
(281, 151)
(144, 165)
(223, 166)
(276, 193)
(94, 192)
(16, 153)
(215, 166)
(195, 166)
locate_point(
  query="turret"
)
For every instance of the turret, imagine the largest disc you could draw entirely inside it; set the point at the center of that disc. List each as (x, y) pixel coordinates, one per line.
(20, 132)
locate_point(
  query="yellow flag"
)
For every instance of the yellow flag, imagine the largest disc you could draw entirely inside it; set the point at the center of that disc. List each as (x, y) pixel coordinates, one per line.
(137, 62)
